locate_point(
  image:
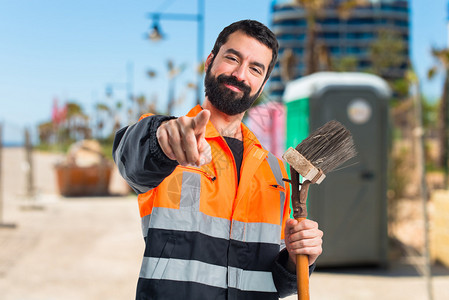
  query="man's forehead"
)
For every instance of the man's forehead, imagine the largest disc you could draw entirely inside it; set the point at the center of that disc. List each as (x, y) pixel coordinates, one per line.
(240, 35)
(238, 41)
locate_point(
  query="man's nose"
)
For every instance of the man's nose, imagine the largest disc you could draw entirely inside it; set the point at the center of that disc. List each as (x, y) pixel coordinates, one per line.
(240, 74)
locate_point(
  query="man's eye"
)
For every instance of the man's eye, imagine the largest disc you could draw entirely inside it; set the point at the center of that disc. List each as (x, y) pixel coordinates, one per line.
(257, 70)
(231, 58)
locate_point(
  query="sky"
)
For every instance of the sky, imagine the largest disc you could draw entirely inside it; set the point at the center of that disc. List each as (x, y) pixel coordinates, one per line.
(73, 50)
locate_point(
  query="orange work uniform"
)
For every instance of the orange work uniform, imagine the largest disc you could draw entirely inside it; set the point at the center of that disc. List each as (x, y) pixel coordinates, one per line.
(207, 235)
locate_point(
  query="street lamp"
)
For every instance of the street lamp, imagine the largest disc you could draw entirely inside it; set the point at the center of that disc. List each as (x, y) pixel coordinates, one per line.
(156, 35)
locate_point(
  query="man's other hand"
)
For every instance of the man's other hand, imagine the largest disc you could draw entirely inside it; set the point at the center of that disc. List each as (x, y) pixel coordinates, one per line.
(303, 238)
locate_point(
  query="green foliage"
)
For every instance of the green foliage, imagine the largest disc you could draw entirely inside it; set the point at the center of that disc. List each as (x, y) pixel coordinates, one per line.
(400, 87)
(106, 145)
(347, 63)
(430, 113)
(387, 51)
(72, 126)
(398, 173)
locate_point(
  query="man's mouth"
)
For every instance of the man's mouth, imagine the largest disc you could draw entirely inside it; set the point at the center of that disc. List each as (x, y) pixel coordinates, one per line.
(233, 87)
(233, 84)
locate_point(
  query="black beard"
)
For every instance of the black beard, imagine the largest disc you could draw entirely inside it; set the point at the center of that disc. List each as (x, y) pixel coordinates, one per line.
(226, 100)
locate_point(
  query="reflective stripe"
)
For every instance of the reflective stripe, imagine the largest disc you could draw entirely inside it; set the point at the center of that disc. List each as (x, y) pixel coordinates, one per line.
(190, 191)
(250, 280)
(282, 245)
(276, 169)
(282, 200)
(183, 270)
(145, 225)
(255, 232)
(186, 220)
(187, 217)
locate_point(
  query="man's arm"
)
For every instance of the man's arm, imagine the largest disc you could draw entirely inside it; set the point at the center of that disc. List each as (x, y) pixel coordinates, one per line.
(139, 157)
(284, 274)
(150, 150)
(300, 238)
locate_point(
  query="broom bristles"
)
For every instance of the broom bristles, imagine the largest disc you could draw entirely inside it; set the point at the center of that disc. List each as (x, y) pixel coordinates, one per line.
(328, 147)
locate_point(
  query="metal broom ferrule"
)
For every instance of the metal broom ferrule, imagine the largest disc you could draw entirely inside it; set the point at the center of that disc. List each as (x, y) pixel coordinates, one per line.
(303, 166)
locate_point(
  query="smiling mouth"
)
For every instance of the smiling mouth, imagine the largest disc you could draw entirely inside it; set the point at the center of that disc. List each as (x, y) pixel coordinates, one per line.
(233, 88)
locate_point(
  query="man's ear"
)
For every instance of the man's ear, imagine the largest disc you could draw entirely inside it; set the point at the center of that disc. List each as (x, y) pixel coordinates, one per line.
(208, 61)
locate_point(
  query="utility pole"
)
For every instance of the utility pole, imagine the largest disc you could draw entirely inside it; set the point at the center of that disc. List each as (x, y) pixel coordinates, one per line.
(418, 135)
(29, 160)
(2, 225)
(30, 190)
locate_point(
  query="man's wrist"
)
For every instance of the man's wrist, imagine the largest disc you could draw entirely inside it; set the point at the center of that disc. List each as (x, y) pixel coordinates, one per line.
(290, 265)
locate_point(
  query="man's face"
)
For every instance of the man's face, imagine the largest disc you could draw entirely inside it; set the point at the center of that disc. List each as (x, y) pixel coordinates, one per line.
(235, 77)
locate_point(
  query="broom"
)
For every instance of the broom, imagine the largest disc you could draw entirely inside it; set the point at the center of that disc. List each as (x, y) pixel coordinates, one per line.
(324, 150)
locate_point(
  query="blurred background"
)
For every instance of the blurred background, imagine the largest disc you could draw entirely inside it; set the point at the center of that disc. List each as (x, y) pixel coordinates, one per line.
(74, 72)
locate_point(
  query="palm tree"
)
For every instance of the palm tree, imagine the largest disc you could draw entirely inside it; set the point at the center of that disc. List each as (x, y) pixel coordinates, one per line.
(316, 54)
(46, 132)
(77, 122)
(386, 52)
(312, 8)
(173, 73)
(442, 55)
(103, 112)
(288, 62)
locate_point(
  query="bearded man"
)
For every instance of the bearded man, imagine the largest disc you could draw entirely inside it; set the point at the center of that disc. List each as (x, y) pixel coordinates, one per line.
(214, 207)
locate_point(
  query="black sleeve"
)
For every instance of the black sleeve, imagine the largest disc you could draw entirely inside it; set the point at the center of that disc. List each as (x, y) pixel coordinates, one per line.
(285, 281)
(139, 157)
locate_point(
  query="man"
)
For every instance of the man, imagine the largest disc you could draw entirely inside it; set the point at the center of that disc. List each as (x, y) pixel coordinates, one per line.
(213, 203)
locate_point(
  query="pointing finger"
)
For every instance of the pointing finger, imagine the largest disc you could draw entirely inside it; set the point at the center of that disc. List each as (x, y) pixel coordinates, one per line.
(200, 122)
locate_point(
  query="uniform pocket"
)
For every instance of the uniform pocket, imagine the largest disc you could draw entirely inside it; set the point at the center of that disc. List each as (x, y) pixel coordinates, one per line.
(277, 187)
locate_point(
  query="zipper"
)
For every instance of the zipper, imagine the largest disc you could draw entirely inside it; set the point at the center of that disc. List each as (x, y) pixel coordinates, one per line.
(211, 177)
(231, 155)
(278, 187)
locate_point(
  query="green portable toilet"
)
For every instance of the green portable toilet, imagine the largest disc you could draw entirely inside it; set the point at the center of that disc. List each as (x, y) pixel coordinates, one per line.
(350, 205)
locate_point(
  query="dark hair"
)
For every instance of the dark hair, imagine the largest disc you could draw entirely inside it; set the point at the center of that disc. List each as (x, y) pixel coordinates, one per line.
(253, 29)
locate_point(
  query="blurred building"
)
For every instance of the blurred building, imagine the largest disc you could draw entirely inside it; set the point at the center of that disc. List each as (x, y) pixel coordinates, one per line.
(341, 37)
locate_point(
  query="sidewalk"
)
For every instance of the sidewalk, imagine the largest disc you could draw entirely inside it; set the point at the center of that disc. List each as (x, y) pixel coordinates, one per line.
(72, 249)
(91, 248)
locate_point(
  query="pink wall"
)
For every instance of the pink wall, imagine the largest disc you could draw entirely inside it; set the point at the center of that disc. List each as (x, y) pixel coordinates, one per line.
(267, 122)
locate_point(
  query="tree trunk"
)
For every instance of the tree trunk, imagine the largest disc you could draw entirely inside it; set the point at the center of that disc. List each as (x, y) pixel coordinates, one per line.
(444, 129)
(310, 55)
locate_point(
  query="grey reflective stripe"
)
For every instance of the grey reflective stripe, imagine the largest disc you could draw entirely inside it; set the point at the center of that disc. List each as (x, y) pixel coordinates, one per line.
(183, 270)
(277, 172)
(250, 280)
(256, 232)
(275, 168)
(186, 220)
(122, 169)
(190, 191)
(282, 204)
(145, 225)
(282, 245)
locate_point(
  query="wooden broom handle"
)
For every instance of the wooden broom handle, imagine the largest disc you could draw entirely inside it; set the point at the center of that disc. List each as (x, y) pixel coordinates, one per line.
(299, 200)
(302, 274)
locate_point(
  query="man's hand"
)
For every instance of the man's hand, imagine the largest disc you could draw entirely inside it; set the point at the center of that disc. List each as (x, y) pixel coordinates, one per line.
(303, 238)
(183, 139)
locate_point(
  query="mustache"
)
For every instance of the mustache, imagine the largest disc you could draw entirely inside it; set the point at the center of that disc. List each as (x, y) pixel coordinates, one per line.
(232, 80)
